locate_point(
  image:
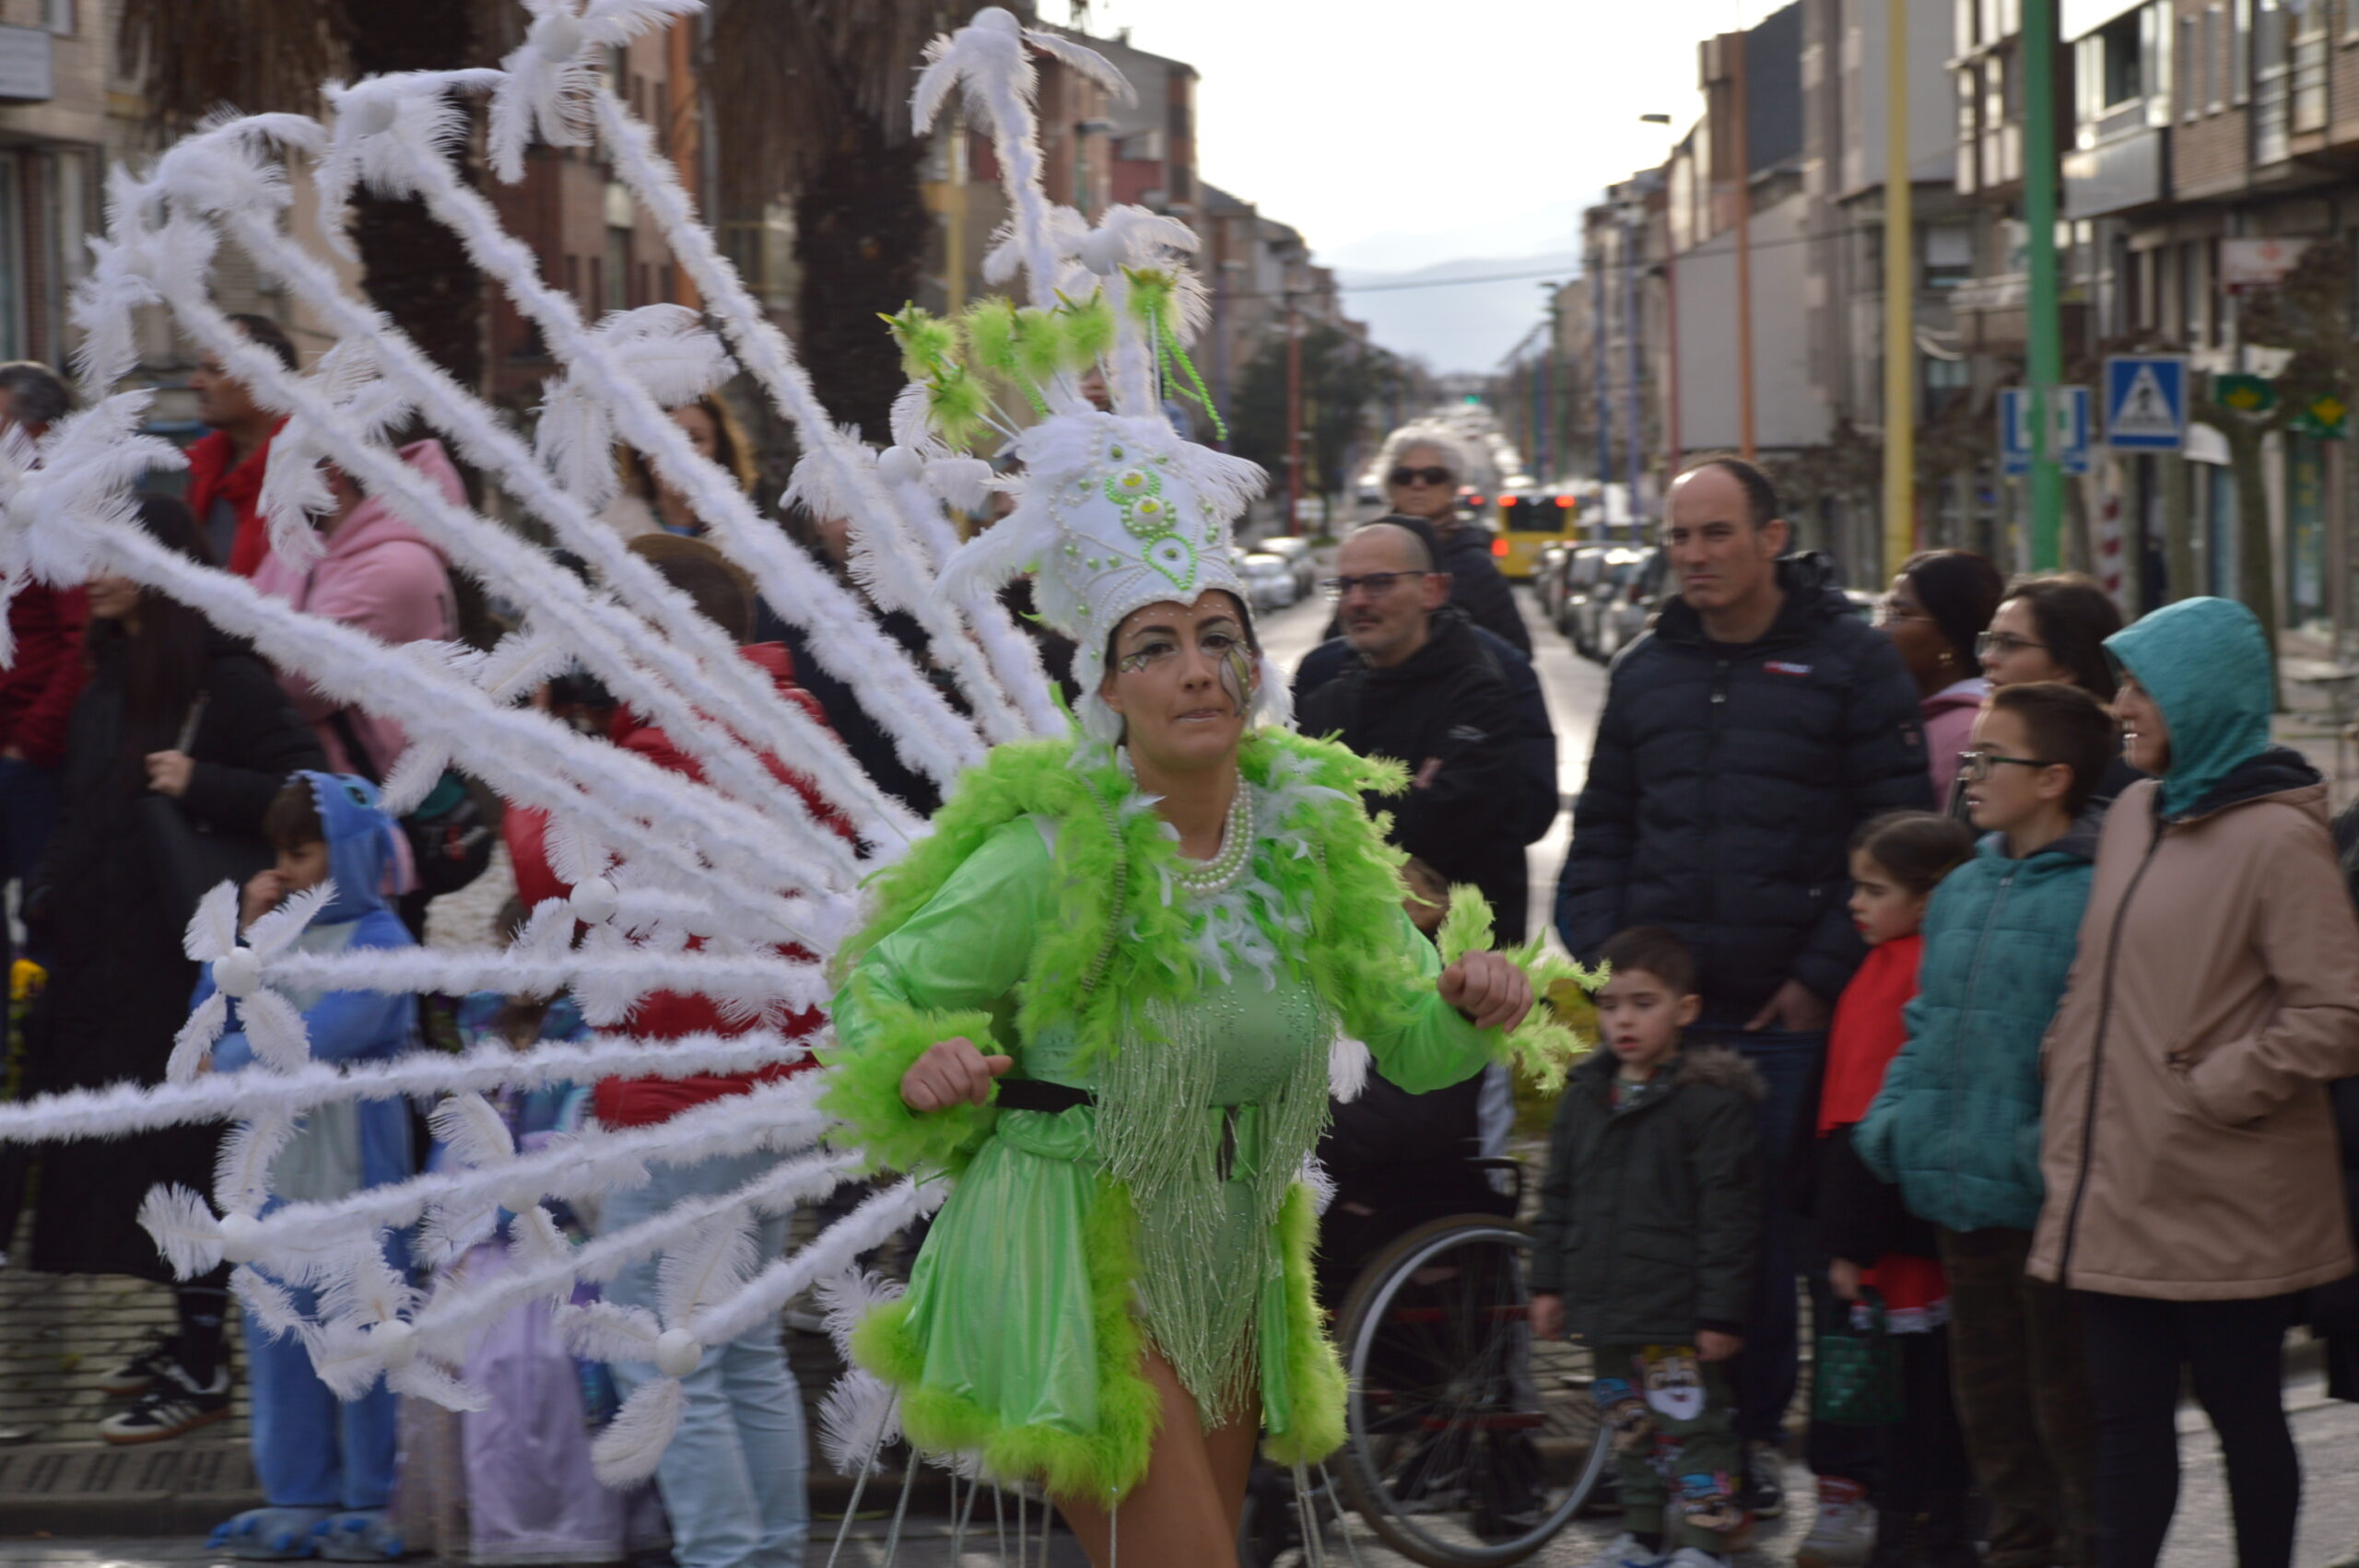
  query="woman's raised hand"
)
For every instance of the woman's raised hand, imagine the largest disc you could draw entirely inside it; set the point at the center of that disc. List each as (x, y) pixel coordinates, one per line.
(1485, 986)
(951, 1072)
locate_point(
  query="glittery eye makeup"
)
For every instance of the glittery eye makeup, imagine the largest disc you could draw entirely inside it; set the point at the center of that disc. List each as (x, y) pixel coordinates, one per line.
(1237, 675)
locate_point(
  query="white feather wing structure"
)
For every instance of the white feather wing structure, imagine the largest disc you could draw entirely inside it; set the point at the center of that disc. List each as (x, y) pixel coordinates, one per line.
(274, 933)
(633, 1443)
(845, 1298)
(277, 1030)
(213, 928)
(242, 1170)
(706, 1265)
(197, 1037)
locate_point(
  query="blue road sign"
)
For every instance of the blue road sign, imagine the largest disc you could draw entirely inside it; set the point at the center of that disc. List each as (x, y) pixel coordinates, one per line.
(2015, 430)
(2068, 428)
(2145, 403)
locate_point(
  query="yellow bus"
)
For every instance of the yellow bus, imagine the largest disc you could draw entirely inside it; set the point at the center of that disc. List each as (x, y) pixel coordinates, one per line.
(1525, 522)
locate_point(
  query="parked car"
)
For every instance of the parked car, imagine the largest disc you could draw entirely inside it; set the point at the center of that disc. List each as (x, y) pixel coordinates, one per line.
(1295, 552)
(1614, 570)
(1582, 572)
(1269, 580)
(1548, 577)
(1624, 617)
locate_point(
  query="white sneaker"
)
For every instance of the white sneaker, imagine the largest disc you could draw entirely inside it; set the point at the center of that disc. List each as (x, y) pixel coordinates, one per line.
(1844, 1532)
(1694, 1557)
(1625, 1552)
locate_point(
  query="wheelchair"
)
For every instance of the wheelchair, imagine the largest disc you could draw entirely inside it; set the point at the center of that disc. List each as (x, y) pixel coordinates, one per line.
(1465, 1443)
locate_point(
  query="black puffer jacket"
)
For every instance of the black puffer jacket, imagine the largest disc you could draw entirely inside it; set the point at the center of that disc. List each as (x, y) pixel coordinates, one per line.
(1446, 715)
(1724, 786)
(1650, 1210)
(1478, 586)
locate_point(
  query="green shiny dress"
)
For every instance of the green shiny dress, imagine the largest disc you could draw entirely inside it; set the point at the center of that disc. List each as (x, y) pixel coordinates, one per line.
(1170, 1209)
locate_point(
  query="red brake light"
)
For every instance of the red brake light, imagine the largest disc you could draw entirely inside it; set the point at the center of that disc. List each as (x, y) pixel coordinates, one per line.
(1473, 500)
(1499, 546)
(1565, 501)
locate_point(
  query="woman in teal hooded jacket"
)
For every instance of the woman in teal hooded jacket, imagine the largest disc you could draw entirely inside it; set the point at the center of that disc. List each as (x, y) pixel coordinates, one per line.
(2194, 1188)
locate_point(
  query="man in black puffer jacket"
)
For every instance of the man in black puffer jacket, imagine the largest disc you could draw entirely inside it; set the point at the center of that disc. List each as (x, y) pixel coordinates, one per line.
(1419, 687)
(1744, 736)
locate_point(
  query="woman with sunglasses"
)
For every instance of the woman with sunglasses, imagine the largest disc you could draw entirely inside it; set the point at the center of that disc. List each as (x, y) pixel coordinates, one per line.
(2053, 629)
(1938, 604)
(1423, 469)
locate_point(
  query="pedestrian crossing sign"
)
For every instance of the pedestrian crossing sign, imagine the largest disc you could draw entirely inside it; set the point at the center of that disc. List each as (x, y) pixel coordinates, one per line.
(2145, 403)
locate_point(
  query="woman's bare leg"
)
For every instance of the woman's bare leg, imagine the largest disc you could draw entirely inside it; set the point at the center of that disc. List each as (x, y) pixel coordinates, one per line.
(1184, 1512)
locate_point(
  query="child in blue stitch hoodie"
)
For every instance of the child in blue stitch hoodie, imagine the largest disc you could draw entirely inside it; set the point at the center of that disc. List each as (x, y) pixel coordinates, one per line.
(326, 1468)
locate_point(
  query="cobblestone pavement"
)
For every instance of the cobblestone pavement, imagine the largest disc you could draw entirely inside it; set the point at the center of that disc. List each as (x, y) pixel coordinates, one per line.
(2328, 1433)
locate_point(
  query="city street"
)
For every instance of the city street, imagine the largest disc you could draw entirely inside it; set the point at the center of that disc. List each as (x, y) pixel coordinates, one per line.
(2328, 1433)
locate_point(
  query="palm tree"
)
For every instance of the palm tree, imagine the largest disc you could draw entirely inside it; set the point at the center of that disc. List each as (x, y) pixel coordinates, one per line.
(810, 99)
(264, 55)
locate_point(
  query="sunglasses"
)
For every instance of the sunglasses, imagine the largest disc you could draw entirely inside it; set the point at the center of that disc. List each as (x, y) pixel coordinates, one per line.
(1377, 584)
(1420, 477)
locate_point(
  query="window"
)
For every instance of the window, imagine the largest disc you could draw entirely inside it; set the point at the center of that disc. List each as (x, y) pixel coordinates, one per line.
(59, 17)
(573, 277)
(2118, 74)
(1949, 254)
(1946, 381)
(2240, 49)
(614, 295)
(2215, 60)
(2190, 81)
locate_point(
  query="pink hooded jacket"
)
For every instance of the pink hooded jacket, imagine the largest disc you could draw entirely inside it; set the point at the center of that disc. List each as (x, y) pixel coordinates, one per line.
(381, 576)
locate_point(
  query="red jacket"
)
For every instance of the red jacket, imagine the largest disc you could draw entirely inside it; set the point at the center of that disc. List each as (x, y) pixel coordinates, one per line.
(667, 1015)
(210, 479)
(38, 689)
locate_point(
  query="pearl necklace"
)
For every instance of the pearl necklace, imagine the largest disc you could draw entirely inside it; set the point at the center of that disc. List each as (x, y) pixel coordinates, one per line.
(1205, 879)
(1208, 878)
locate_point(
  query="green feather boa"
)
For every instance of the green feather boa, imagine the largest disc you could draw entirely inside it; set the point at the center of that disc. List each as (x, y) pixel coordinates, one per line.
(1108, 845)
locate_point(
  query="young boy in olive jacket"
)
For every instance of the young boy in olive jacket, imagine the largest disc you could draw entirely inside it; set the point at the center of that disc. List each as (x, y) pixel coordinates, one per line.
(1649, 1219)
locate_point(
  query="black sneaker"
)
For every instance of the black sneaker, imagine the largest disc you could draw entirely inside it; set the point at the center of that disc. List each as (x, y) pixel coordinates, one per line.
(172, 1407)
(140, 1373)
(1765, 1481)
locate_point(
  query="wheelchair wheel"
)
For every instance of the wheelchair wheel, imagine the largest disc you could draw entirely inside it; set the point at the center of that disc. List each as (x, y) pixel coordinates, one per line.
(1465, 1443)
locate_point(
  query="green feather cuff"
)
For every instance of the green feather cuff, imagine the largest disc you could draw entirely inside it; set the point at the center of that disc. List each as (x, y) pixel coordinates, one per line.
(1541, 1046)
(865, 1087)
(1315, 1382)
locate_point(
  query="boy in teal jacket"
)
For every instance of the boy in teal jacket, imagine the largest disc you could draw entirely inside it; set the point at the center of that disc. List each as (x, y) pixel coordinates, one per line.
(1956, 1125)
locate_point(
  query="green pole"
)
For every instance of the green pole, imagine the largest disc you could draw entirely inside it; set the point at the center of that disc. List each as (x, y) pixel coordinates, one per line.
(2042, 329)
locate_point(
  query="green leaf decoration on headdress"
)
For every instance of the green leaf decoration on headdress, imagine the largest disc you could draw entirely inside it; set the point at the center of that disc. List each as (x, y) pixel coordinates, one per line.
(1089, 331)
(1151, 302)
(1040, 345)
(956, 406)
(989, 324)
(928, 342)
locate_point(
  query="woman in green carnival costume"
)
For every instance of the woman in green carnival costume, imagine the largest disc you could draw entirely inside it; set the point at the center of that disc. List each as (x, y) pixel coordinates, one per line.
(1105, 992)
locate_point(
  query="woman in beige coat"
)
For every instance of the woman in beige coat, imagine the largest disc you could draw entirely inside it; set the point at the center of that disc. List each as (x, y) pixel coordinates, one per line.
(2193, 1186)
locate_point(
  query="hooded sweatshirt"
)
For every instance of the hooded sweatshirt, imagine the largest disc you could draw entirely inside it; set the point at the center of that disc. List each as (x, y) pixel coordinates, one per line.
(380, 575)
(343, 1147)
(2188, 1142)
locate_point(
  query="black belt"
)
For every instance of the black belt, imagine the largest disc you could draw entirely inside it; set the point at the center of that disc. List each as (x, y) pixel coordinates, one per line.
(1033, 1094)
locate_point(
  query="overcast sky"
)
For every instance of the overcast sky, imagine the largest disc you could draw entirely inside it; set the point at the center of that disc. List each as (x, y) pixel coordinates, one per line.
(1399, 135)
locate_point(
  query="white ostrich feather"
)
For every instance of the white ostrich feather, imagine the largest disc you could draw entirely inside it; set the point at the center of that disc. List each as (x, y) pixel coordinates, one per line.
(344, 1358)
(184, 1230)
(473, 1130)
(368, 1290)
(275, 1030)
(845, 1299)
(858, 1417)
(426, 1380)
(242, 1170)
(274, 933)
(633, 1443)
(706, 1265)
(197, 1037)
(413, 776)
(213, 928)
(609, 1331)
(449, 1232)
(1347, 1068)
(270, 1306)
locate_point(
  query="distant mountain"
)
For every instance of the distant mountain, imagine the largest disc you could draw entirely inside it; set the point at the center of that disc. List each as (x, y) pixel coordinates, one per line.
(1453, 325)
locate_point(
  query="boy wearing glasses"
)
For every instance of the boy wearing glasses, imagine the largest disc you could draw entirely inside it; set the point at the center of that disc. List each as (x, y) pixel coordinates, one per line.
(1956, 1125)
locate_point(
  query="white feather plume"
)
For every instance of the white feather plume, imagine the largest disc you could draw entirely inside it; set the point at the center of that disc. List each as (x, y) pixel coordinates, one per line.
(847, 1298)
(184, 1230)
(609, 1331)
(269, 1305)
(242, 1170)
(633, 1443)
(858, 1417)
(425, 1380)
(272, 934)
(213, 929)
(473, 1130)
(705, 1266)
(197, 1037)
(275, 1030)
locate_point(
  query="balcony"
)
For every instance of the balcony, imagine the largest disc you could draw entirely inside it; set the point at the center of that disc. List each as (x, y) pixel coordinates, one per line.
(2128, 169)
